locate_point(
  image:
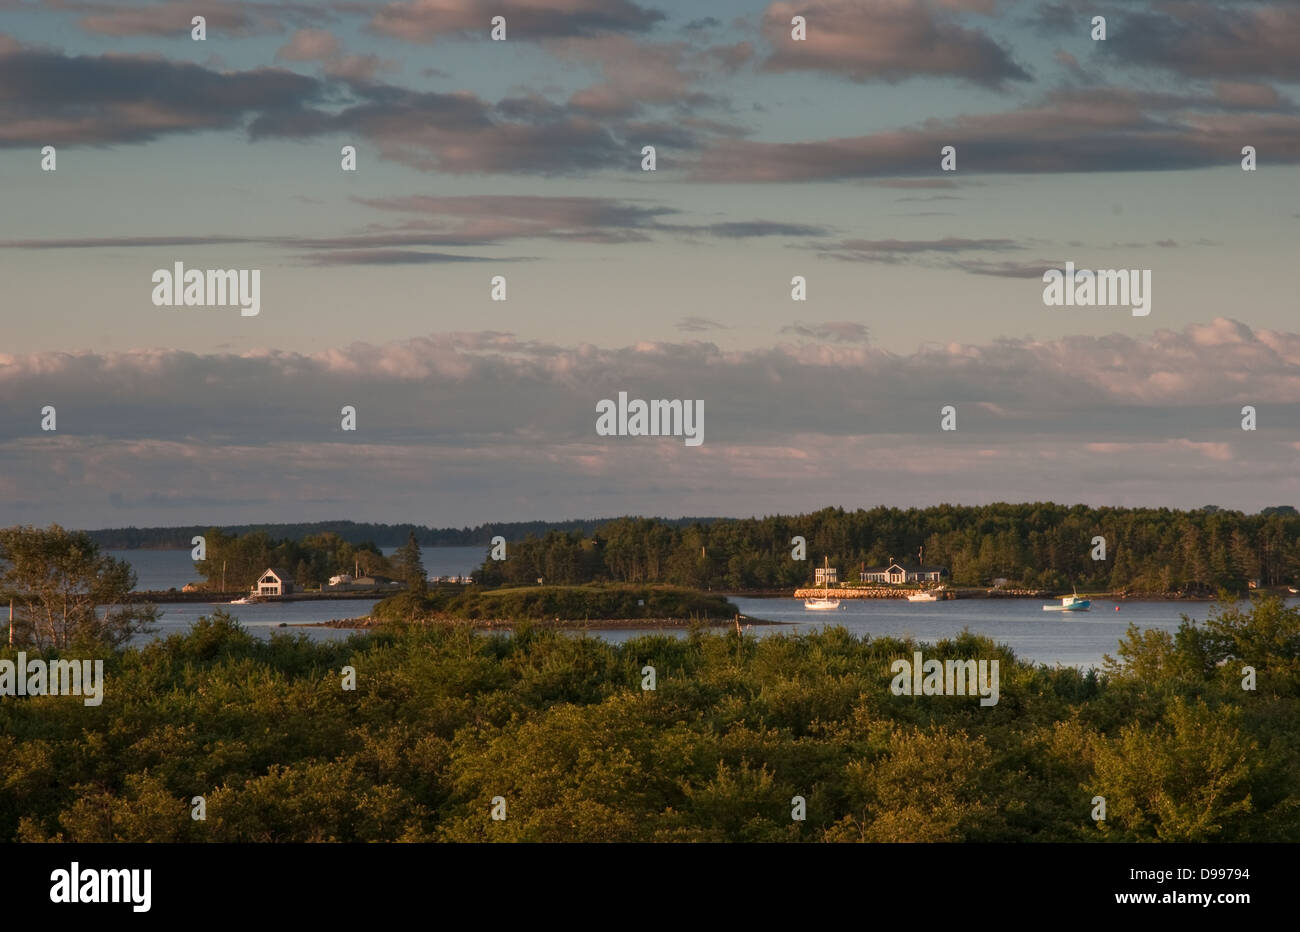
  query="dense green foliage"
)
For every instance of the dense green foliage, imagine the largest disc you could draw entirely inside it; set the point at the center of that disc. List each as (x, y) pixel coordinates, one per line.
(566, 603)
(443, 720)
(1038, 545)
(237, 561)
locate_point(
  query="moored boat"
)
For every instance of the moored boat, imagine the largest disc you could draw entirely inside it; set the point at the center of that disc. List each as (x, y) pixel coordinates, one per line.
(1070, 603)
(822, 603)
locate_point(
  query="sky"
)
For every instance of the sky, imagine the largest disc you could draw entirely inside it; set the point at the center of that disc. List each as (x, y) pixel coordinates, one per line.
(776, 157)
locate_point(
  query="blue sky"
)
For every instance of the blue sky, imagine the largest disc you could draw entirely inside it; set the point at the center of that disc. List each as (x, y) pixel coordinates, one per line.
(521, 158)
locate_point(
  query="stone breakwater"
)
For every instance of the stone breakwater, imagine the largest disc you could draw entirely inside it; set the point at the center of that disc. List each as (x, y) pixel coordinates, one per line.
(854, 593)
(890, 593)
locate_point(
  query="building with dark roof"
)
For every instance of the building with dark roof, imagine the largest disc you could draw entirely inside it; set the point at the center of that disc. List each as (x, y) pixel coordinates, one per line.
(900, 573)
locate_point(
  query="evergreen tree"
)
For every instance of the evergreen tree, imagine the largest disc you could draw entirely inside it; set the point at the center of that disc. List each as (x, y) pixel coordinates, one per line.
(410, 565)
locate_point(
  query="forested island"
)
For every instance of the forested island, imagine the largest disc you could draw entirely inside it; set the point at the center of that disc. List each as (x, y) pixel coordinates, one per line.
(619, 602)
(1036, 546)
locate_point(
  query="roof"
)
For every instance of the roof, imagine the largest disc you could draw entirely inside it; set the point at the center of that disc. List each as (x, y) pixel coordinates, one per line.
(909, 567)
(282, 574)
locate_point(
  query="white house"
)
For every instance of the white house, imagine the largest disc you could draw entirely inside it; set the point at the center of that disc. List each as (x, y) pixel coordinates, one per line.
(826, 574)
(274, 582)
(341, 580)
(898, 573)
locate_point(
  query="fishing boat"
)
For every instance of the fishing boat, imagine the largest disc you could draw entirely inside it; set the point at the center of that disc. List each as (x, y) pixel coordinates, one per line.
(922, 596)
(1070, 603)
(823, 603)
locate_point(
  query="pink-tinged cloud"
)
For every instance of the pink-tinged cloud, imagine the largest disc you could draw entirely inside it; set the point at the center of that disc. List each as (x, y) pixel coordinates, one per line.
(526, 20)
(1248, 95)
(886, 40)
(1211, 40)
(319, 45)
(1100, 129)
(309, 45)
(50, 98)
(470, 426)
(173, 18)
(636, 74)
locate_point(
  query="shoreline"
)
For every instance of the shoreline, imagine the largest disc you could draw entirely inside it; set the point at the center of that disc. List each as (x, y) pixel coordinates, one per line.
(565, 623)
(994, 594)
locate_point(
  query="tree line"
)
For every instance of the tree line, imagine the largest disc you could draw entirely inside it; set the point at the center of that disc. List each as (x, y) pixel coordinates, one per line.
(354, 532)
(236, 561)
(1038, 545)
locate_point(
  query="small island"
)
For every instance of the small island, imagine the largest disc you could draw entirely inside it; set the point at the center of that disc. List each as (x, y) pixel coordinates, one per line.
(602, 605)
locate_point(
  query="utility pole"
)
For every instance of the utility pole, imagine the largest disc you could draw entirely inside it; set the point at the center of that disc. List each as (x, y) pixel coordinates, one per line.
(223, 575)
(11, 619)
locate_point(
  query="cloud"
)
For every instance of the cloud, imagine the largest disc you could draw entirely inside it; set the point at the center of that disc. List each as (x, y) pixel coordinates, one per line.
(747, 229)
(51, 98)
(319, 45)
(888, 40)
(480, 421)
(831, 331)
(464, 220)
(172, 18)
(309, 45)
(425, 20)
(1207, 40)
(699, 325)
(1005, 269)
(1248, 95)
(393, 257)
(459, 133)
(874, 248)
(1098, 129)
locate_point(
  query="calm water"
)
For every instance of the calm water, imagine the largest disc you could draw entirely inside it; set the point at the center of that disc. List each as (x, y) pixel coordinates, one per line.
(1072, 639)
(264, 618)
(1067, 638)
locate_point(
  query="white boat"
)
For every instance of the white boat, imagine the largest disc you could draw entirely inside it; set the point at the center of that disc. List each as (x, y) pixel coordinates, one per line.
(1069, 603)
(243, 601)
(922, 596)
(823, 603)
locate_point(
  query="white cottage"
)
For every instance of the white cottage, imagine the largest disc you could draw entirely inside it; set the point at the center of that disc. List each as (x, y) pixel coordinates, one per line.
(274, 582)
